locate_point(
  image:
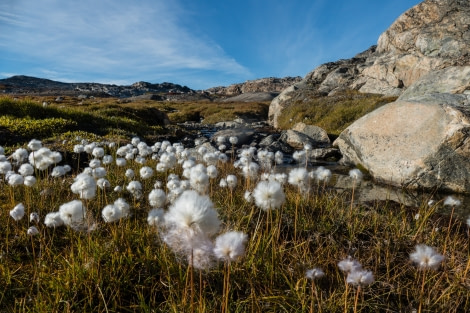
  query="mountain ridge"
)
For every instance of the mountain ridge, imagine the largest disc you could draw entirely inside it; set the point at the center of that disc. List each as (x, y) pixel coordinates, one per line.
(30, 85)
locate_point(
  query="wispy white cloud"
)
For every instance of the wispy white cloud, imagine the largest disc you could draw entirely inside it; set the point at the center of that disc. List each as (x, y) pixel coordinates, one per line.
(113, 38)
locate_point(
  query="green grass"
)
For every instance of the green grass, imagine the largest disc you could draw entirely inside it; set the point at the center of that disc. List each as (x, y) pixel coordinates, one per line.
(125, 267)
(332, 113)
(26, 118)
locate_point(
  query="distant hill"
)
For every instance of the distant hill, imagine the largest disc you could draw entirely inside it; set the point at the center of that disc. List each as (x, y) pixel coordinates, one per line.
(27, 85)
(24, 85)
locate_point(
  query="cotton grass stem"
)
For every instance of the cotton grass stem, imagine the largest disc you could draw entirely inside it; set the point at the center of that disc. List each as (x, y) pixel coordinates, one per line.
(421, 293)
(358, 291)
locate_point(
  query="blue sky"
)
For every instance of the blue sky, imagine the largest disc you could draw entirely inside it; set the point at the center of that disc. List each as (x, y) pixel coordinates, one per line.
(199, 43)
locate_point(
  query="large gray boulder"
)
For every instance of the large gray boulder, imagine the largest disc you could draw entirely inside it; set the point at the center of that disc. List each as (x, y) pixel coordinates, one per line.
(318, 134)
(422, 142)
(430, 36)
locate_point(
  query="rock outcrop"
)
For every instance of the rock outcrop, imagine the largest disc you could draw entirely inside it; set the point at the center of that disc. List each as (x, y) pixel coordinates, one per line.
(270, 84)
(422, 139)
(432, 35)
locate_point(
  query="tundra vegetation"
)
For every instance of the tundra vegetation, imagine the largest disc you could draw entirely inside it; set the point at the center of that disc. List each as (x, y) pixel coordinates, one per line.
(112, 223)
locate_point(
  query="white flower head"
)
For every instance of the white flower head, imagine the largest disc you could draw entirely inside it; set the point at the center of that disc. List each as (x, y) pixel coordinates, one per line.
(32, 231)
(355, 174)
(17, 212)
(129, 173)
(298, 177)
(135, 188)
(15, 180)
(26, 169)
(157, 198)
(425, 257)
(34, 145)
(212, 171)
(72, 213)
(349, 265)
(233, 140)
(85, 186)
(314, 273)
(30, 181)
(53, 219)
(451, 201)
(269, 195)
(231, 181)
(230, 246)
(193, 211)
(360, 277)
(121, 162)
(98, 152)
(146, 172)
(34, 217)
(156, 217)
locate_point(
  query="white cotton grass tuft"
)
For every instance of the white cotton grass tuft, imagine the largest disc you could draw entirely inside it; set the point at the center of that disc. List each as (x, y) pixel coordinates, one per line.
(15, 180)
(107, 159)
(230, 246)
(356, 174)
(98, 152)
(58, 171)
(451, 201)
(34, 145)
(298, 177)
(250, 170)
(73, 213)
(26, 169)
(103, 183)
(223, 183)
(5, 167)
(146, 172)
(360, 277)
(212, 171)
(193, 211)
(349, 265)
(314, 273)
(135, 188)
(94, 163)
(120, 162)
(29, 181)
(425, 257)
(84, 185)
(17, 212)
(233, 140)
(20, 155)
(114, 212)
(231, 181)
(199, 179)
(129, 173)
(269, 195)
(278, 157)
(321, 174)
(157, 198)
(34, 217)
(247, 196)
(53, 219)
(32, 231)
(156, 217)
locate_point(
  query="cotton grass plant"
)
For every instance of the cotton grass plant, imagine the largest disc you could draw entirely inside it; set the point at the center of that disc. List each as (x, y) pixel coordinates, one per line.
(139, 249)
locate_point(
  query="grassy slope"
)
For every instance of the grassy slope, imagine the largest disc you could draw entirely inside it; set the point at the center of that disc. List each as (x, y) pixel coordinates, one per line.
(332, 113)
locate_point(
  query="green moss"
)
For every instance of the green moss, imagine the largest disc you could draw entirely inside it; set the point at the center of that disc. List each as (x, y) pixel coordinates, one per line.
(36, 128)
(332, 113)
